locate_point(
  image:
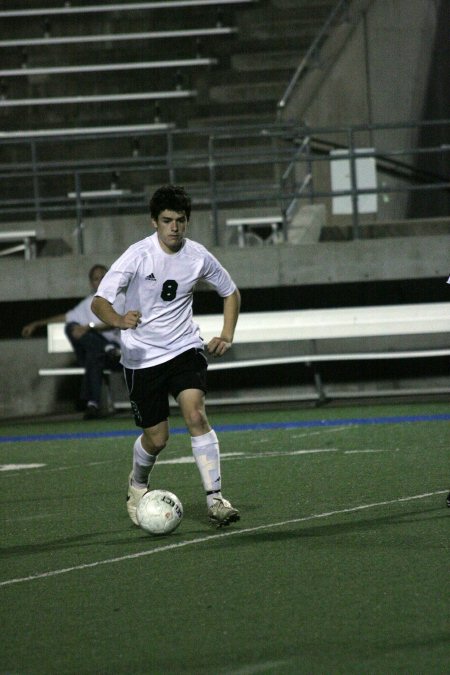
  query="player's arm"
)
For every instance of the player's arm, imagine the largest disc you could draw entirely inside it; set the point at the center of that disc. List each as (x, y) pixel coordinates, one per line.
(231, 306)
(106, 313)
(101, 327)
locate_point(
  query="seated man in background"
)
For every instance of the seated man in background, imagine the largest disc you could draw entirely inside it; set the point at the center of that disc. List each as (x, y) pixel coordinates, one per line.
(96, 345)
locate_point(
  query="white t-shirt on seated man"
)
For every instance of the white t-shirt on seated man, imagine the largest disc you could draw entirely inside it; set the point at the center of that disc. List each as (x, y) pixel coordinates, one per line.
(83, 315)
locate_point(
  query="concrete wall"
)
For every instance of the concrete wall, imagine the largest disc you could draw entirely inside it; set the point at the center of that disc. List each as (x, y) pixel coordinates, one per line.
(26, 393)
(373, 69)
(253, 267)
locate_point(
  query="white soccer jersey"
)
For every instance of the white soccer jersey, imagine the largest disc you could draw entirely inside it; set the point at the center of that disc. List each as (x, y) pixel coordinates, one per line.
(160, 286)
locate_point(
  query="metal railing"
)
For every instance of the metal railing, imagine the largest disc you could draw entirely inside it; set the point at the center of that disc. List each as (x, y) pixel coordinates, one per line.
(281, 166)
(312, 56)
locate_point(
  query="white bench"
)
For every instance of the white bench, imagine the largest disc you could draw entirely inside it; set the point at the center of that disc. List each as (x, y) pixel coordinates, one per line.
(28, 245)
(315, 336)
(319, 336)
(274, 222)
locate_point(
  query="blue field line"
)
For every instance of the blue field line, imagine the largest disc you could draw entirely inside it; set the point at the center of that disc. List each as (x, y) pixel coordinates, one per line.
(256, 426)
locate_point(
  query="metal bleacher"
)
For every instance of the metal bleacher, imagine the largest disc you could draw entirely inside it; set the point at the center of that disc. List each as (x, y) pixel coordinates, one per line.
(96, 93)
(94, 72)
(39, 44)
(117, 37)
(107, 67)
(68, 9)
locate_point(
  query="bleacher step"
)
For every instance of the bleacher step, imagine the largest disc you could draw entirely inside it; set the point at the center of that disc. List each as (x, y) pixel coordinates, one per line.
(264, 61)
(311, 5)
(230, 120)
(239, 93)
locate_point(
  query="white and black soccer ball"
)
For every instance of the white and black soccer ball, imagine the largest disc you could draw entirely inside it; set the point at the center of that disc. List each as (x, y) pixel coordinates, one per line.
(159, 512)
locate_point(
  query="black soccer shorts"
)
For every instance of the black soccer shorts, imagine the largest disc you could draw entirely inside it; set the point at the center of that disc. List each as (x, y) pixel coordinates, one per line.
(149, 388)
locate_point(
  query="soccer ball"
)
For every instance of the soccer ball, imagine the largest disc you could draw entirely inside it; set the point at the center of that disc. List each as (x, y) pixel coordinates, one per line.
(159, 512)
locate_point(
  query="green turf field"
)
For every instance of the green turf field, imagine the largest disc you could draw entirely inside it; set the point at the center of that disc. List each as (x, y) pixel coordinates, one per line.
(340, 563)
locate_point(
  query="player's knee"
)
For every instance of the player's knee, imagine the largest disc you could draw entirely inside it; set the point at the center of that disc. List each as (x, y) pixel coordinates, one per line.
(197, 421)
(154, 443)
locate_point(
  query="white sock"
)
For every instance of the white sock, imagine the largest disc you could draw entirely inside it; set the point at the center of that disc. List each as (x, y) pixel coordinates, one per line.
(206, 453)
(143, 463)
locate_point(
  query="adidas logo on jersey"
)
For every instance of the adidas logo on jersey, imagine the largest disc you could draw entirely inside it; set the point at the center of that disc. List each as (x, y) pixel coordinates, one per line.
(151, 277)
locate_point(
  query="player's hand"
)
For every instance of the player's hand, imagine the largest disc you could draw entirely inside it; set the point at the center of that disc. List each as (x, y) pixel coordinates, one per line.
(218, 346)
(131, 319)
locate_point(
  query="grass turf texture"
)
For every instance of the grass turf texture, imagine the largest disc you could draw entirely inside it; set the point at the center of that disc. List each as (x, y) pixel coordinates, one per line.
(327, 572)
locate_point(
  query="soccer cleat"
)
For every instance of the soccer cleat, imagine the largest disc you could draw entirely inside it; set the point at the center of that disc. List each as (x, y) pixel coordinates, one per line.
(221, 513)
(134, 496)
(448, 500)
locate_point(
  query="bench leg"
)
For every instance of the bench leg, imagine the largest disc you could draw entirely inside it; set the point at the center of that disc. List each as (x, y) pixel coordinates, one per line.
(241, 236)
(29, 248)
(321, 396)
(109, 394)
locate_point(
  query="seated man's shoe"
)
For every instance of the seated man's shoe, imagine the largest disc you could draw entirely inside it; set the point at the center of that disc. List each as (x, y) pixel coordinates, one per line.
(92, 412)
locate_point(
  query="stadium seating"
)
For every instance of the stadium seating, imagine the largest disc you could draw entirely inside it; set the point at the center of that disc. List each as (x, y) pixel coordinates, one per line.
(185, 63)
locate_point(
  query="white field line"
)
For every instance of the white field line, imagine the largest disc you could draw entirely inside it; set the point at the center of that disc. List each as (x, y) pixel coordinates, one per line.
(306, 434)
(190, 460)
(214, 537)
(281, 453)
(187, 459)
(261, 667)
(20, 467)
(369, 450)
(324, 431)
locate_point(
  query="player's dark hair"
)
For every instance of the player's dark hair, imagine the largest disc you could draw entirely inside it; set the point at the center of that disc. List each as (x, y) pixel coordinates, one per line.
(96, 267)
(171, 197)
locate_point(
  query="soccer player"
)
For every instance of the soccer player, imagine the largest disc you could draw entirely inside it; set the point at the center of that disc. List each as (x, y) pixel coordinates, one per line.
(162, 350)
(96, 345)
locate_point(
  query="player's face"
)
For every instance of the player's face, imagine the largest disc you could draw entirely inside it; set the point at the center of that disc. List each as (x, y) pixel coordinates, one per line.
(171, 228)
